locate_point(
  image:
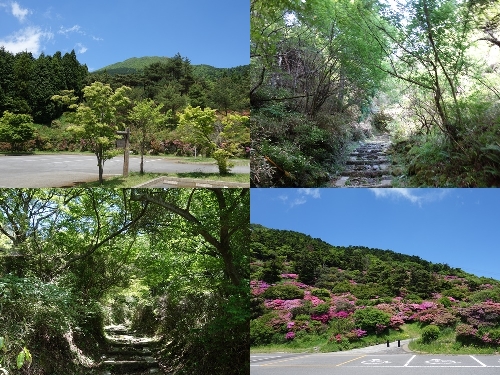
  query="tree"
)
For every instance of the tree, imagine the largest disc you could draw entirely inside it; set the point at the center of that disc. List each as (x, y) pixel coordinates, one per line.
(16, 129)
(146, 117)
(98, 118)
(428, 50)
(220, 137)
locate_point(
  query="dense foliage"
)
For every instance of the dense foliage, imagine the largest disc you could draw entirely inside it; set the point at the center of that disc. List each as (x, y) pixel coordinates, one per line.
(27, 84)
(168, 263)
(348, 296)
(324, 72)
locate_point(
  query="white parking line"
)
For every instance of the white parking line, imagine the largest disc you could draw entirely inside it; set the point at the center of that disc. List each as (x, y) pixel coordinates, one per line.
(478, 361)
(411, 359)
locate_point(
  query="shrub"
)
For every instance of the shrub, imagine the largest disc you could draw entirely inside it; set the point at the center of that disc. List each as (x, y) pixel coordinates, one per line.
(283, 292)
(322, 308)
(371, 319)
(260, 332)
(445, 301)
(321, 293)
(430, 333)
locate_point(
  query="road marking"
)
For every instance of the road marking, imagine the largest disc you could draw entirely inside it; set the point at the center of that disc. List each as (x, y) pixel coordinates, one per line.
(411, 359)
(375, 361)
(343, 363)
(478, 361)
(441, 362)
(284, 360)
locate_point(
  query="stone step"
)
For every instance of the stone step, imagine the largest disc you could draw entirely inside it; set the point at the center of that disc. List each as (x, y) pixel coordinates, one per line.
(367, 161)
(127, 351)
(364, 173)
(129, 366)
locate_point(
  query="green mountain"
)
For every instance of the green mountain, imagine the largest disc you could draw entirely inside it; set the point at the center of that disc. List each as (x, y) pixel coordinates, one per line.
(307, 293)
(137, 64)
(364, 271)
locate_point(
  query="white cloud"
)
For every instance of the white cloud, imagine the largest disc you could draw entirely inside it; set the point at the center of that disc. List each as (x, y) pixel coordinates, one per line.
(97, 38)
(301, 196)
(413, 195)
(311, 192)
(19, 12)
(81, 48)
(74, 29)
(28, 39)
(298, 201)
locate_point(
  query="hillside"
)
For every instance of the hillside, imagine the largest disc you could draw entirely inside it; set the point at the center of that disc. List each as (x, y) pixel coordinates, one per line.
(137, 64)
(305, 290)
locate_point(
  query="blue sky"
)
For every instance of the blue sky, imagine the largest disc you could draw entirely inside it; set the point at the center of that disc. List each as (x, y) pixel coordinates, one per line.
(459, 227)
(103, 32)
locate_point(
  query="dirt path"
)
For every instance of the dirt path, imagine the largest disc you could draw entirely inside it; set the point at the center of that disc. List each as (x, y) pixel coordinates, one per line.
(368, 165)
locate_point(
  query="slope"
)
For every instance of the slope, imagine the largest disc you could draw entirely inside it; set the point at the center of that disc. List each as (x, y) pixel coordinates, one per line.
(305, 290)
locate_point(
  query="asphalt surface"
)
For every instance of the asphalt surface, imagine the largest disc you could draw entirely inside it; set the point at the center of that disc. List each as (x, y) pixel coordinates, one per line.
(373, 360)
(35, 171)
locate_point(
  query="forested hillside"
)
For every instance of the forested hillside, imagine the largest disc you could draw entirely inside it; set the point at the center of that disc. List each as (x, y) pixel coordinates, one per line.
(171, 266)
(327, 73)
(27, 84)
(305, 290)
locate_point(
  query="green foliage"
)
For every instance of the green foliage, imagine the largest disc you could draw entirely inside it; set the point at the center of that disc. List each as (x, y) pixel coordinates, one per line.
(321, 293)
(445, 301)
(260, 332)
(371, 319)
(16, 129)
(430, 333)
(97, 119)
(283, 292)
(380, 121)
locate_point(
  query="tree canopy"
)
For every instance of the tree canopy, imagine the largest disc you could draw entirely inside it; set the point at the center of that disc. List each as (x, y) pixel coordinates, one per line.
(69, 255)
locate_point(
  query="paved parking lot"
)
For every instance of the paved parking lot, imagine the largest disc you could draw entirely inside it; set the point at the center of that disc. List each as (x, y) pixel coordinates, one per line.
(345, 363)
(61, 170)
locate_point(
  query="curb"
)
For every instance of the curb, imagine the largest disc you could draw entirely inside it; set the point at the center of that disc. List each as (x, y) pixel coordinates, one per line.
(178, 182)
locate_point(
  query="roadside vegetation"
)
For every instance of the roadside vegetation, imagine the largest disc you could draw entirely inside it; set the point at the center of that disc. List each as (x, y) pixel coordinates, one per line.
(309, 295)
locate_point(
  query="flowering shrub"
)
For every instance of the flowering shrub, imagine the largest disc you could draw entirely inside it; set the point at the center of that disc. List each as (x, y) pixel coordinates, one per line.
(314, 300)
(481, 314)
(258, 287)
(465, 333)
(280, 304)
(290, 336)
(289, 276)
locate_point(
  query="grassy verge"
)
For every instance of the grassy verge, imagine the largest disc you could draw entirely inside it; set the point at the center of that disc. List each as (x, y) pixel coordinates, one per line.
(446, 344)
(136, 178)
(322, 343)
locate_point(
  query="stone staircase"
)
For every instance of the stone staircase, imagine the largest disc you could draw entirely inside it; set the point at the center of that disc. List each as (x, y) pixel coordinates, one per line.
(129, 354)
(368, 165)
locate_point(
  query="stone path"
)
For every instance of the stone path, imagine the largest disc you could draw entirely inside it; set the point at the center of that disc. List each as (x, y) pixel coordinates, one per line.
(129, 354)
(368, 165)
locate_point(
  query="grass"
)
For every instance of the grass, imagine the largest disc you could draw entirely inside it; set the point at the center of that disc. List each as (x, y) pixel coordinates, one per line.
(135, 178)
(321, 343)
(446, 344)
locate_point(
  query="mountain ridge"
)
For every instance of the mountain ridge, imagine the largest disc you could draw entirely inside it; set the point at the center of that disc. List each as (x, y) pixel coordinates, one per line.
(137, 64)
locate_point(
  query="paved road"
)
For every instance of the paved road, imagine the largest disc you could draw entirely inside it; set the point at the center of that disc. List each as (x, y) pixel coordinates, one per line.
(369, 362)
(64, 170)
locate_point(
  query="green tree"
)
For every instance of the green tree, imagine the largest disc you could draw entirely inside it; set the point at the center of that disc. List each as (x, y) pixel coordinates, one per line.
(16, 129)
(98, 118)
(146, 117)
